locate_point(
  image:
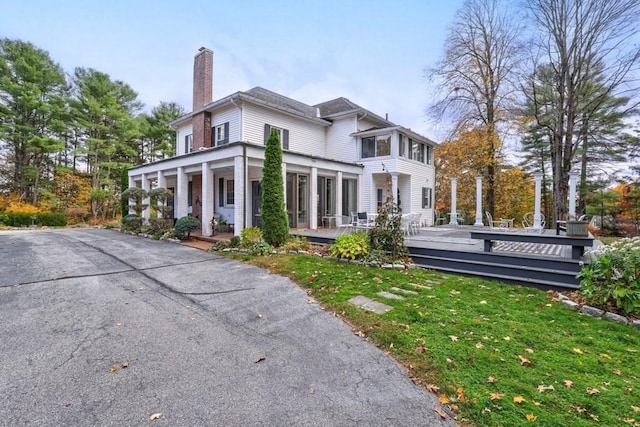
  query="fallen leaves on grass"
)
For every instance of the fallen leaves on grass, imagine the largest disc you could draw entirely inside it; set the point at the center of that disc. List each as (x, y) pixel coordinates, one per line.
(479, 345)
(496, 396)
(635, 408)
(432, 388)
(542, 388)
(421, 349)
(443, 399)
(578, 351)
(518, 399)
(592, 390)
(453, 338)
(491, 379)
(524, 361)
(531, 417)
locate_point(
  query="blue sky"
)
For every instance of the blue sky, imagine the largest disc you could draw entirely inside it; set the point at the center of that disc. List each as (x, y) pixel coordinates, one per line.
(372, 52)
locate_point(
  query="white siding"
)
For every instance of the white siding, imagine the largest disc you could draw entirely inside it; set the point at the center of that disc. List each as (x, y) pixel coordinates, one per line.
(304, 136)
(180, 134)
(339, 145)
(365, 124)
(231, 115)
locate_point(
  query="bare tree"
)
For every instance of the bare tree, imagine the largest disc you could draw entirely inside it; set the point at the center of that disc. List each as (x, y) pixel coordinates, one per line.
(474, 77)
(578, 39)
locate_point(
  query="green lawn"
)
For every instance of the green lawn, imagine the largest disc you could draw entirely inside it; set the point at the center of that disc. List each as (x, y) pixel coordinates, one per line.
(497, 354)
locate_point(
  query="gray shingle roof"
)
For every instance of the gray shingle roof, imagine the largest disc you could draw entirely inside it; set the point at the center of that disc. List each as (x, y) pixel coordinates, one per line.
(338, 105)
(283, 102)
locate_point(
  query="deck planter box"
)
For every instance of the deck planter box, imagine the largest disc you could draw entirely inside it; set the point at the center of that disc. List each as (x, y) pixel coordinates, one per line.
(577, 228)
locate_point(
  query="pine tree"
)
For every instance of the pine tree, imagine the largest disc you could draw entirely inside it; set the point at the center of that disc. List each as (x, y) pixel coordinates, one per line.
(275, 224)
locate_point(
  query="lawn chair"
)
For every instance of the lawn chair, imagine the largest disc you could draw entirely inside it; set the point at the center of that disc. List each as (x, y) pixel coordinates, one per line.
(495, 225)
(363, 220)
(528, 222)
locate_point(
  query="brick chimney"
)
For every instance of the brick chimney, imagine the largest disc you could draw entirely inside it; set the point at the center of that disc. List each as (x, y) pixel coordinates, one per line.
(202, 95)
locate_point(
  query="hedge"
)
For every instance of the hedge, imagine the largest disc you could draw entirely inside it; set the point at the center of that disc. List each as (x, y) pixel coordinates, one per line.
(50, 219)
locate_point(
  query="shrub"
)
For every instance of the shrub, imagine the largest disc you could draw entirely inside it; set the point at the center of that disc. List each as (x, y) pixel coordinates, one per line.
(612, 279)
(3, 218)
(275, 222)
(350, 246)
(261, 248)
(49, 219)
(159, 225)
(234, 242)
(186, 225)
(131, 222)
(296, 243)
(250, 236)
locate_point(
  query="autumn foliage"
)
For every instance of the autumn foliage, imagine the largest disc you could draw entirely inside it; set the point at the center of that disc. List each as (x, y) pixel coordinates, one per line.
(466, 158)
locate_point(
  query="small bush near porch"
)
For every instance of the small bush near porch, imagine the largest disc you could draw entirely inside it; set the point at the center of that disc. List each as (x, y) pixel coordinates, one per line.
(496, 354)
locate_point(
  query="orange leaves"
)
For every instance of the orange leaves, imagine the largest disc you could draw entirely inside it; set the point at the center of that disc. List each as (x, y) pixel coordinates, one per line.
(496, 396)
(531, 417)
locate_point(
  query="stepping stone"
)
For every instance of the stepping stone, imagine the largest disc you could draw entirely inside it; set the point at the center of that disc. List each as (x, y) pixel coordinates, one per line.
(404, 291)
(415, 285)
(389, 295)
(369, 304)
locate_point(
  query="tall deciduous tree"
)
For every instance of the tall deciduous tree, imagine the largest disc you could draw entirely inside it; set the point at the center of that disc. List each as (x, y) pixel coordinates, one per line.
(275, 224)
(577, 39)
(474, 76)
(33, 95)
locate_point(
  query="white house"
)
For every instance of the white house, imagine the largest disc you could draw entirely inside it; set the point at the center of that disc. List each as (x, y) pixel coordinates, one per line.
(336, 158)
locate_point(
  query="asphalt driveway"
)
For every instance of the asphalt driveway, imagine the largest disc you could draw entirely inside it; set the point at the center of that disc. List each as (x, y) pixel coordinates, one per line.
(100, 328)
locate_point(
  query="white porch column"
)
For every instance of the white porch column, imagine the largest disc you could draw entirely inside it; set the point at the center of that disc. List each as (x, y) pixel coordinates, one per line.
(313, 209)
(454, 188)
(339, 198)
(284, 192)
(394, 189)
(132, 183)
(573, 176)
(162, 183)
(239, 188)
(146, 186)
(207, 199)
(536, 211)
(478, 222)
(182, 193)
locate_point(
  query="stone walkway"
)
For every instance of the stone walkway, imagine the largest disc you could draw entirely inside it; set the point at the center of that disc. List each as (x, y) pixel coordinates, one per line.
(378, 307)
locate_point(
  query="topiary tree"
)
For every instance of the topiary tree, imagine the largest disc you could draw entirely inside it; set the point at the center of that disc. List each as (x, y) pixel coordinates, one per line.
(137, 195)
(275, 223)
(186, 225)
(160, 200)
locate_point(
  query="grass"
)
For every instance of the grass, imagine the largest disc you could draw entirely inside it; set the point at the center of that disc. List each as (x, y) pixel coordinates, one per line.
(497, 354)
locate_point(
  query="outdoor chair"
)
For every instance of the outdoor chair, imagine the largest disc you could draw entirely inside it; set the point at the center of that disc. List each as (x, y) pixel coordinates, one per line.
(496, 225)
(363, 220)
(528, 222)
(440, 218)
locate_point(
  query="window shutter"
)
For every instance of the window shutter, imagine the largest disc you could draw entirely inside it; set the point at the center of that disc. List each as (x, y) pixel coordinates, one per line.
(424, 197)
(226, 133)
(213, 136)
(221, 192)
(285, 139)
(267, 131)
(186, 144)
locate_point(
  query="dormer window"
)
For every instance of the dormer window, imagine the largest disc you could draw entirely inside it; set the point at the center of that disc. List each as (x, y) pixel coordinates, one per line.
(376, 146)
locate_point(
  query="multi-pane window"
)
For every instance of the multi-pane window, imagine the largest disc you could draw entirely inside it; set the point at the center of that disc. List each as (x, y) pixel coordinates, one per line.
(283, 135)
(402, 149)
(188, 144)
(376, 146)
(429, 155)
(229, 192)
(220, 134)
(427, 197)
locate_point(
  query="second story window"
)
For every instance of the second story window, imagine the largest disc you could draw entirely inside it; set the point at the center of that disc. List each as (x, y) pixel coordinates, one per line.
(220, 134)
(283, 134)
(376, 146)
(402, 148)
(188, 144)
